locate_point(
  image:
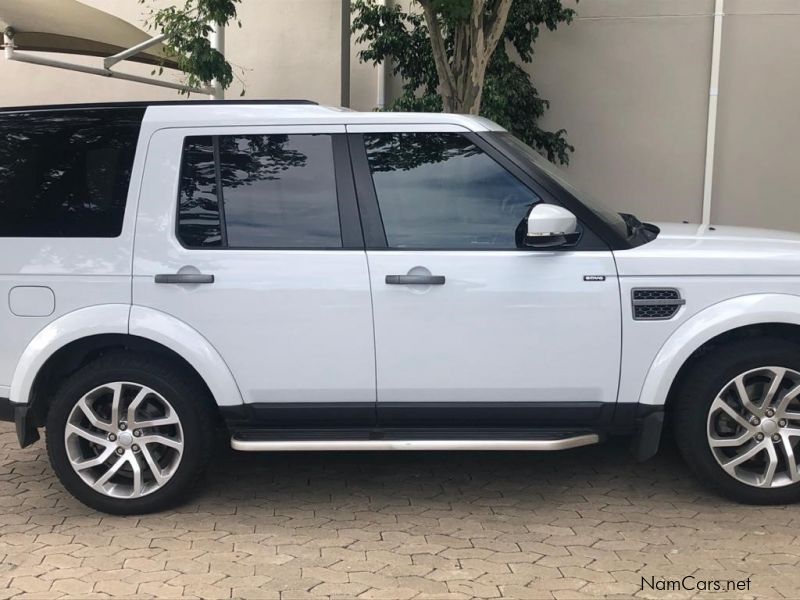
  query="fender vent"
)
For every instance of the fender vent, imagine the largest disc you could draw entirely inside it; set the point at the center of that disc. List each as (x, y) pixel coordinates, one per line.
(656, 304)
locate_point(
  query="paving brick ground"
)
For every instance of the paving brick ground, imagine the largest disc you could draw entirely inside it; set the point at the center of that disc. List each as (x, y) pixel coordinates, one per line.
(581, 524)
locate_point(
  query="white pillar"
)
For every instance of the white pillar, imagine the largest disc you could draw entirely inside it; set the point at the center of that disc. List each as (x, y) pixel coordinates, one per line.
(8, 43)
(217, 39)
(380, 98)
(713, 96)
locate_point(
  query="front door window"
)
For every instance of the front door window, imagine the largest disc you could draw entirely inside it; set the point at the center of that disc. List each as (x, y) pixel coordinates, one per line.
(440, 191)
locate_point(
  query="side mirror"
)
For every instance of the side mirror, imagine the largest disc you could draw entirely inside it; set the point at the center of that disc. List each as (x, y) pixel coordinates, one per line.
(549, 226)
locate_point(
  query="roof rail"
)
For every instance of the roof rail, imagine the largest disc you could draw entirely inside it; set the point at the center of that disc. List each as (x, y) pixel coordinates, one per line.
(145, 104)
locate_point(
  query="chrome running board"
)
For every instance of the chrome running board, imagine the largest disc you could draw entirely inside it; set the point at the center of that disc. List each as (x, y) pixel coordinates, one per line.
(451, 444)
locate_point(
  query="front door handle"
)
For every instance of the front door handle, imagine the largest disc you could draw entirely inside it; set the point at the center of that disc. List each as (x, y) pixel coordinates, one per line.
(184, 278)
(415, 279)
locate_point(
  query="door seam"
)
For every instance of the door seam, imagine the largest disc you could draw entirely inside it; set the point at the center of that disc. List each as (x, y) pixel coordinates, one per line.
(374, 336)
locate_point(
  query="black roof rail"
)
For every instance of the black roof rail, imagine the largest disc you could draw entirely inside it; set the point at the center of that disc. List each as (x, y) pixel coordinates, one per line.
(146, 103)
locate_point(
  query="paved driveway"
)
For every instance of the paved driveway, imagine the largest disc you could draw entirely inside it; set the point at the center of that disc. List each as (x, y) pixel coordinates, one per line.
(586, 523)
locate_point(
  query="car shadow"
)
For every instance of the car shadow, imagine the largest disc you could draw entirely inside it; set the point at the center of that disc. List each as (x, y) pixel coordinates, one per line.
(581, 475)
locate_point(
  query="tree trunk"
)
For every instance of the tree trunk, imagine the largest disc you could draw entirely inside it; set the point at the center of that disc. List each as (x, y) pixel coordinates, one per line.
(447, 85)
(461, 76)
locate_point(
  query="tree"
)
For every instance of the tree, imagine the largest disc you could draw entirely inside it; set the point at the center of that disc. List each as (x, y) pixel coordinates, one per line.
(187, 30)
(474, 28)
(464, 51)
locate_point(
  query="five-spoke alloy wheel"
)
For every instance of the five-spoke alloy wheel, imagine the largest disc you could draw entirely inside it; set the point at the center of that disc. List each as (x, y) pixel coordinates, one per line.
(130, 433)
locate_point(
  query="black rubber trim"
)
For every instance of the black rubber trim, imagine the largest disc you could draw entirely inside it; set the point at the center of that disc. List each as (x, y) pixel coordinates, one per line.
(494, 414)
(344, 415)
(650, 425)
(349, 219)
(27, 433)
(371, 221)
(6, 410)
(273, 415)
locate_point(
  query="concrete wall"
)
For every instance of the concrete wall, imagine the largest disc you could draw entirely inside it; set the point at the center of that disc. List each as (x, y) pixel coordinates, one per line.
(286, 48)
(758, 168)
(628, 80)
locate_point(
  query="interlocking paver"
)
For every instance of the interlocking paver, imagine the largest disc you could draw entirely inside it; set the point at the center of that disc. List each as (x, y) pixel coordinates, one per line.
(423, 526)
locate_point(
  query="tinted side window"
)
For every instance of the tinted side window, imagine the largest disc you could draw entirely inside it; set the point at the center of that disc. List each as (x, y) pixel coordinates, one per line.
(262, 191)
(66, 174)
(439, 190)
(200, 224)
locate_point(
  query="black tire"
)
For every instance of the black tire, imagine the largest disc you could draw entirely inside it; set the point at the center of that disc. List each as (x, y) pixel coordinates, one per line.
(698, 389)
(188, 398)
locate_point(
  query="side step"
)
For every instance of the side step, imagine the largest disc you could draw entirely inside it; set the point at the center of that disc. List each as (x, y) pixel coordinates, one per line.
(355, 440)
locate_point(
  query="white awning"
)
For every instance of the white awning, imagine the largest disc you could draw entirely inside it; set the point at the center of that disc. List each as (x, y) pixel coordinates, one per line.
(70, 27)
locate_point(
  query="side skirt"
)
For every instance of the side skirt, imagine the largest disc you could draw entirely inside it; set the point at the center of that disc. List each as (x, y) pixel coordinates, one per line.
(417, 439)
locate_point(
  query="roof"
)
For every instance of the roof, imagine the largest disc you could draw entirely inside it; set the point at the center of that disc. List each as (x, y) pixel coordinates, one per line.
(222, 114)
(210, 113)
(71, 27)
(145, 104)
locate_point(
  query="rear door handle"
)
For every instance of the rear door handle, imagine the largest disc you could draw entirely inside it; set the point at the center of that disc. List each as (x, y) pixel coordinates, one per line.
(184, 278)
(415, 279)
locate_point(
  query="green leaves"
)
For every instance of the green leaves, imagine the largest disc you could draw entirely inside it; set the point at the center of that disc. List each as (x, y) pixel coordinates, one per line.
(187, 31)
(509, 96)
(452, 11)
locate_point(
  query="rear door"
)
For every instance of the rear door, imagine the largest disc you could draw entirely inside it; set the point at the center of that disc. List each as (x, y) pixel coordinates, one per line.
(469, 328)
(269, 214)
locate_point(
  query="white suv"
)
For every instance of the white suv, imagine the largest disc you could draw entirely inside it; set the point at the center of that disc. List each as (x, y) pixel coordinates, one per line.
(319, 279)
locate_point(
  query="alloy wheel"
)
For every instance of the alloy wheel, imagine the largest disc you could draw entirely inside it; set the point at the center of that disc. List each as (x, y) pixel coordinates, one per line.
(124, 440)
(753, 427)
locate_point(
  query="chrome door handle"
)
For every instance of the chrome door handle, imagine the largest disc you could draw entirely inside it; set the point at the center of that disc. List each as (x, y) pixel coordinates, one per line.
(415, 279)
(184, 278)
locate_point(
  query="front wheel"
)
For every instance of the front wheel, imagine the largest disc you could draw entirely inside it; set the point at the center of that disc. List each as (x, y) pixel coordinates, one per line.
(126, 434)
(737, 420)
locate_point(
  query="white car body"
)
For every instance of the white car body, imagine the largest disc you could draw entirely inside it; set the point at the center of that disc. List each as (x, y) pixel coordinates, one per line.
(315, 327)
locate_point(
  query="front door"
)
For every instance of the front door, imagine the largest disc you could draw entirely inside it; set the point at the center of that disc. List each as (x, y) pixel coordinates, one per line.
(269, 213)
(470, 329)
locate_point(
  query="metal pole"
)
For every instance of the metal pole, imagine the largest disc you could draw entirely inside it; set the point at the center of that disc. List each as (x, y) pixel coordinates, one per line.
(217, 39)
(8, 43)
(713, 96)
(49, 62)
(125, 54)
(380, 99)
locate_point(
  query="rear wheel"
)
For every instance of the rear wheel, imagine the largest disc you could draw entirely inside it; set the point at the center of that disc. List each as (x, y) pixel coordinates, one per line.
(127, 434)
(737, 420)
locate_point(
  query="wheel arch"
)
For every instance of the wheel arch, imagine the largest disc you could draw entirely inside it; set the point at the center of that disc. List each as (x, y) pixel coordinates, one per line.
(71, 341)
(757, 314)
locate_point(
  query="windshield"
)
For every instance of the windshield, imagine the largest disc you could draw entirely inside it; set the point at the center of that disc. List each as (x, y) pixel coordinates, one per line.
(626, 226)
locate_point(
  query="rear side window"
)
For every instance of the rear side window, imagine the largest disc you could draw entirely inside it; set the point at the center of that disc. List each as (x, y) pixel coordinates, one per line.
(259, 191)
(66, 173)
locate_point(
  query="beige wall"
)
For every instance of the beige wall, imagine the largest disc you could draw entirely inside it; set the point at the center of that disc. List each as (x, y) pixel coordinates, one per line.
(758, 168)
(287, 48)
(628, 80)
